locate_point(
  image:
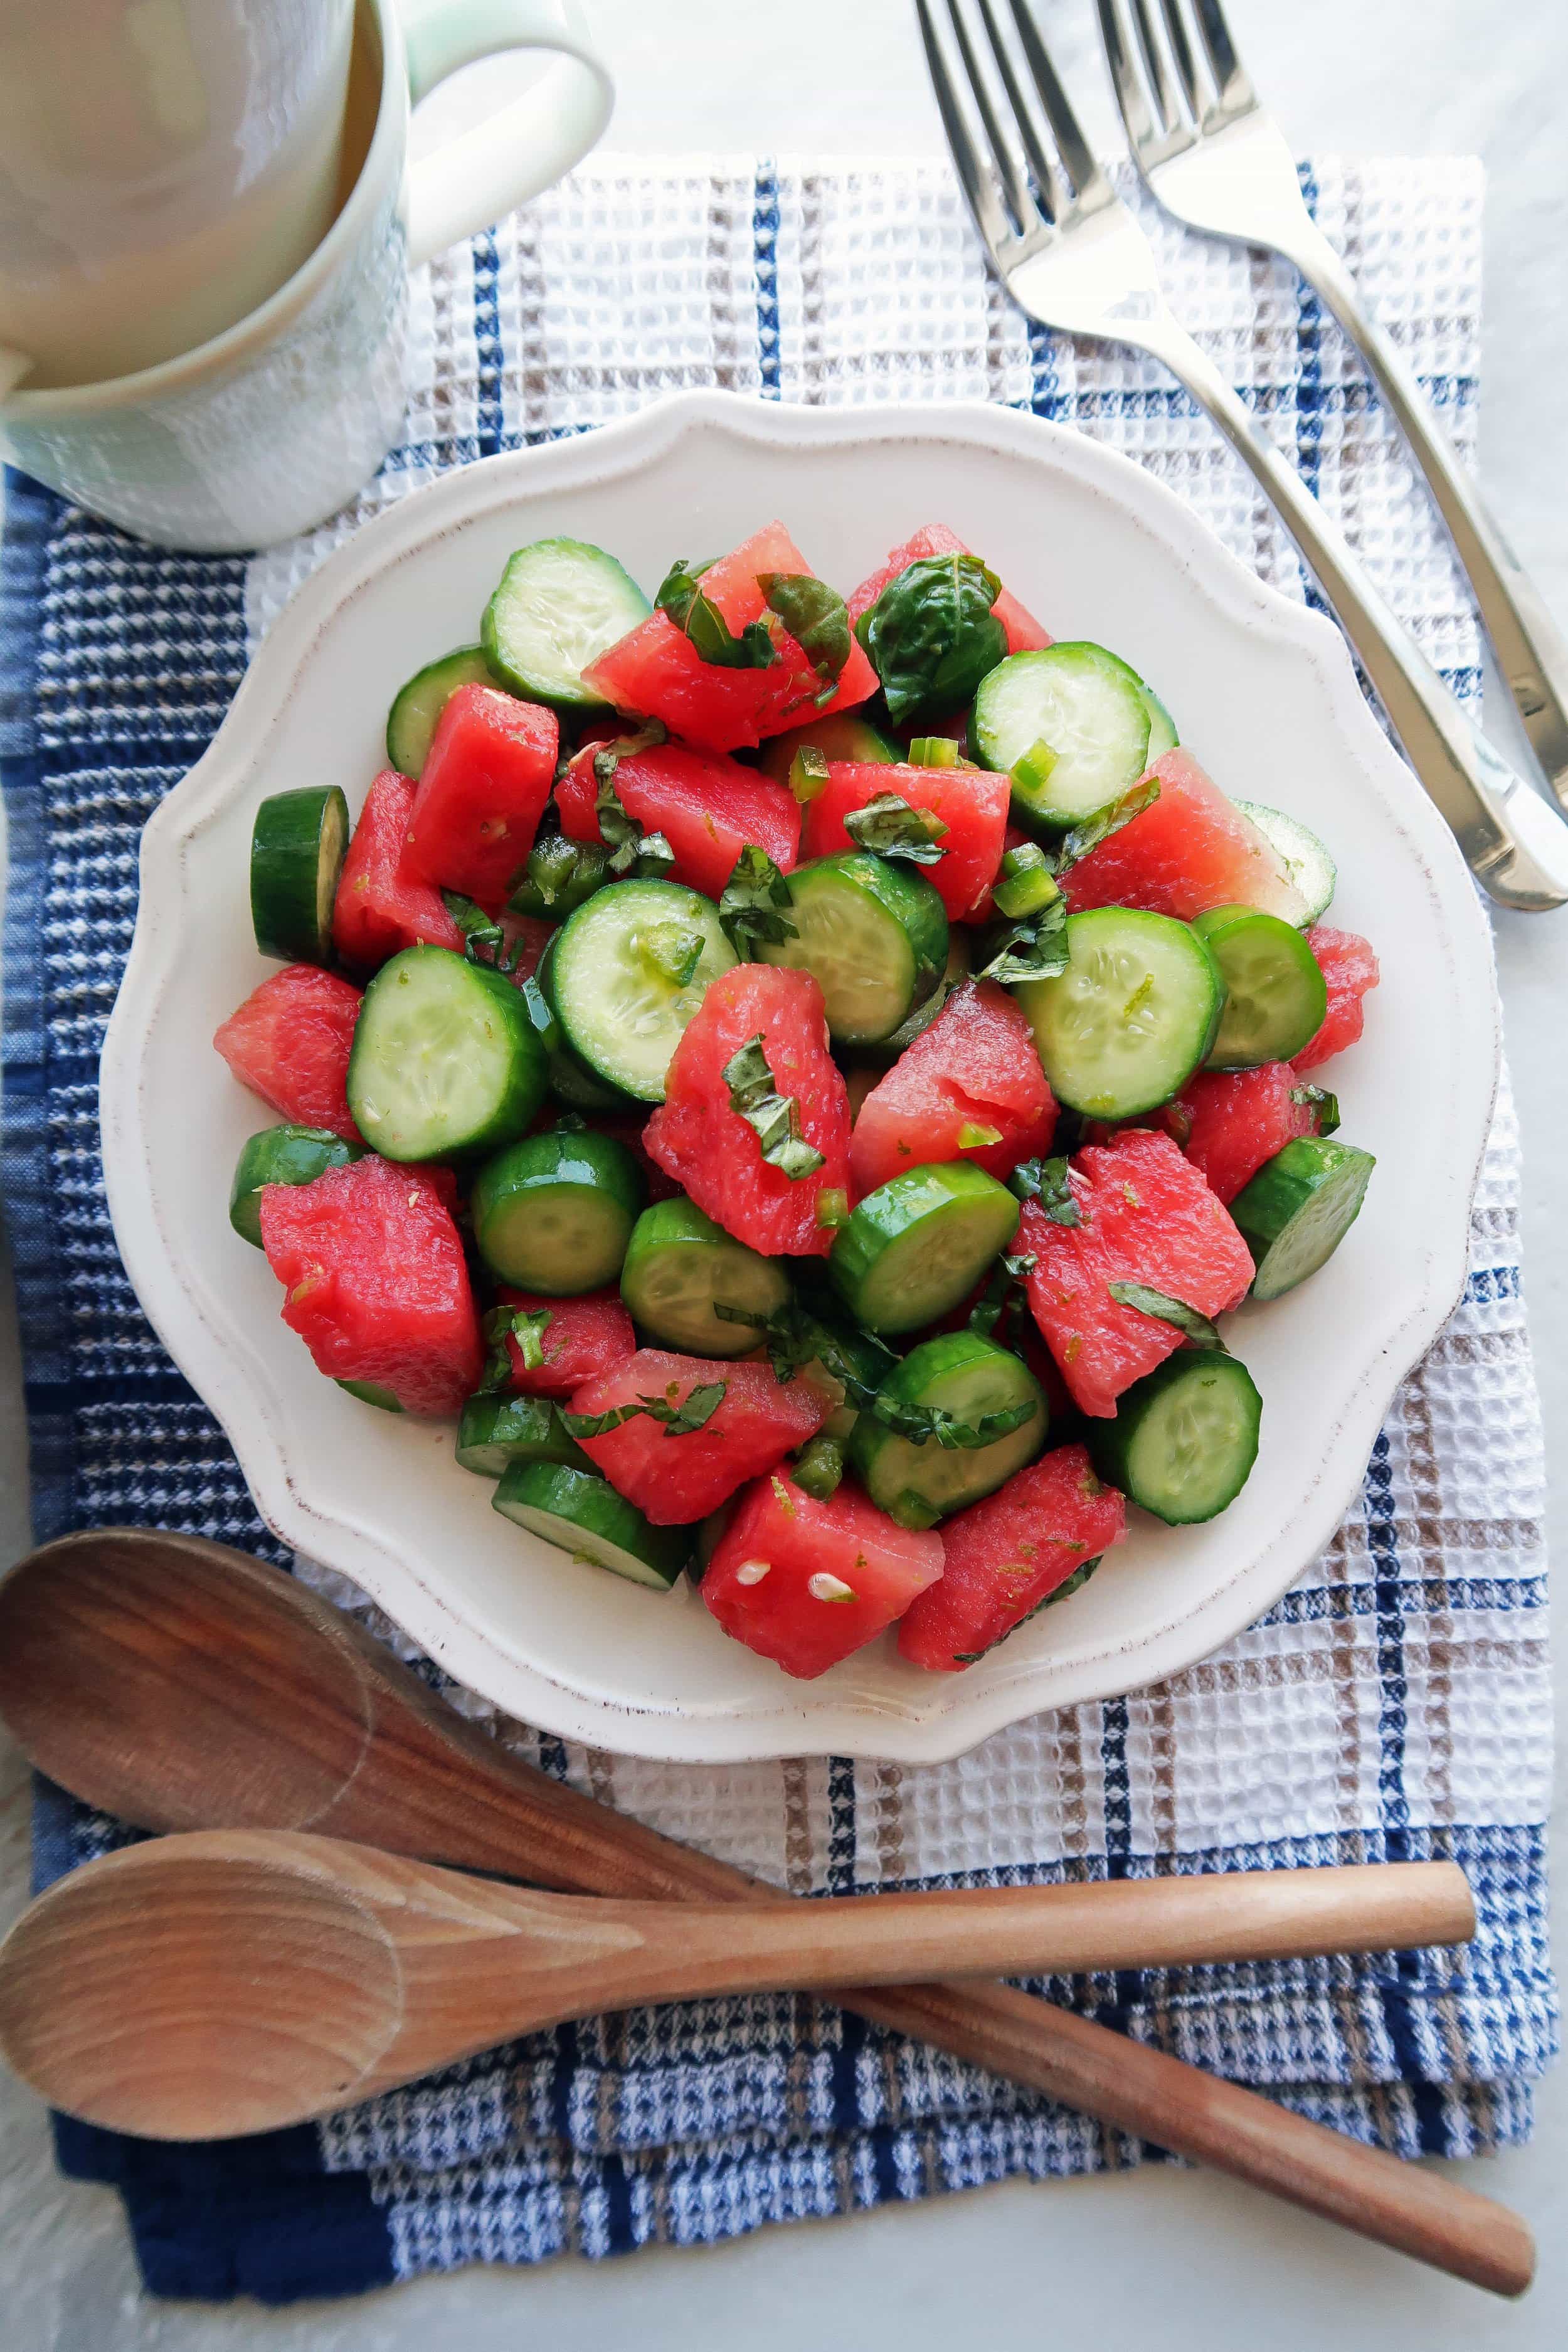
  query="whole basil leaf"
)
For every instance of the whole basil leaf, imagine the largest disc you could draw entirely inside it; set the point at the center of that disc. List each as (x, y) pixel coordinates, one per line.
(704, 626)
(817, 618)
(932, 635)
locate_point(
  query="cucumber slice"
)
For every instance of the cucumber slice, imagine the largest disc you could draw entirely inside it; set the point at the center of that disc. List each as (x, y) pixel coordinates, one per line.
(372, 1392)
(959, 965)
(1275, 997)
(296, 847)
(1163, 738)
(1184, 1437)
(446, 1059)
(620, 1010)
(1299, 1208)
(967, 1376)
(554, 1213)
(873, 936)
(572, 1083)
(560, 605)
(1307, 862)
(842, 735)
(584, 1515)
(1125, 1027)
(497, 1431)
(707, 1536)
(281, 1155)
(416, 708)
(1082, 703)
(919, 1243)
(679, 1262)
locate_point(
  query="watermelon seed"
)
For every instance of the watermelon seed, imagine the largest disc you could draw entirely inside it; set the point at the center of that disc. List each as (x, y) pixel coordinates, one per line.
(825, 1587)
(752, 1571)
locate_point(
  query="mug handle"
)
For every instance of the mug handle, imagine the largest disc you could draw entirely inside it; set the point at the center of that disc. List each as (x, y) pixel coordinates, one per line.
(473, 180)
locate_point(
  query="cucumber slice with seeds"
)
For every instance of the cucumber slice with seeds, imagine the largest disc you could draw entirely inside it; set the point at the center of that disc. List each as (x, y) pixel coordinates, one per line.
(416, 708)
(1307, 862)
(497, 1431)
(571, 1082)
(582, 1513)
(1276, 996)
(960, 965)
(1184, 1437)
(446, 1059)
(968, 1376)
(874, 937)
(281, 1155)
(620, 1010)
(296, 847)
(919, 1243)
(679, 1264)
(1299, 1208)
(560, 605)
(1135, 1012)
(554, 1213)
(1082, 703)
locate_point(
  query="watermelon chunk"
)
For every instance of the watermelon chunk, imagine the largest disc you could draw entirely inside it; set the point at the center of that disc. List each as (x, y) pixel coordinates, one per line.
(707, 807)
(805, 1583)
(481, 791)
(657, 672)
(1350, 968)
(290, 1043)
(1025, 633)
(1236, 1119)
(1192, 850)
(971, 801)
(375, 1281)
(585, 1337)
(382, 904)
(973, 1073)
(697, 1136)
(1147, 1217)
(674, 1480)
(1008, 1554)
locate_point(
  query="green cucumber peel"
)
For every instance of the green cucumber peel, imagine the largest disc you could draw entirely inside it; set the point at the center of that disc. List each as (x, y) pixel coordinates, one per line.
(1195, 1328)
(932, 635)
(817, 619)
(679, 1420)
(561, 873)
(1326, 1105)
(819, 1468)
(703, 626)
(1048, 1182)
(808, 776)
(1025, 886)
(890, 827)
(752, 902)
(773, 1118)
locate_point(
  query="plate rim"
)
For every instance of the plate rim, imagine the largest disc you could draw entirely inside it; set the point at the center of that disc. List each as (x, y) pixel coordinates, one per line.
(964, 1712)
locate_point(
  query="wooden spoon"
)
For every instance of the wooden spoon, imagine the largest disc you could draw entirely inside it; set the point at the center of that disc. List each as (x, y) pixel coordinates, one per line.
(186, 1685)
(222, 1981)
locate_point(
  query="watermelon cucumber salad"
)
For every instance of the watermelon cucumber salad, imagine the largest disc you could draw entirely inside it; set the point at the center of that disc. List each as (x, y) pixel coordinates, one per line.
(797, 1079)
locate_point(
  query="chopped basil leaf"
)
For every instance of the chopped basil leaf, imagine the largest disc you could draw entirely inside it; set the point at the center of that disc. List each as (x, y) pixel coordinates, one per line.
(1033, 949)
(484, 941)
(1093, 830)
(920, 1424)
(751, 906)
(632, 849)
(773, 1118)
(815, 617)
(1064, 1591)
(1048, 1182)
(932, 637)
(1000, 1302)
(704, 627)
(1326, 1105)
(598, 1424)
(1194, 1328)
(679, 1420)
(888, 825)
(527, 1327)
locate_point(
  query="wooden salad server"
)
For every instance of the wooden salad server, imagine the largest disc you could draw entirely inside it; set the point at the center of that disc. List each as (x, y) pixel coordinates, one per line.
(185, 1686)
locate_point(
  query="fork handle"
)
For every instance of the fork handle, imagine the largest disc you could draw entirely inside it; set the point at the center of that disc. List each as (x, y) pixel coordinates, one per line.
(1531, 650)
(1515, 843)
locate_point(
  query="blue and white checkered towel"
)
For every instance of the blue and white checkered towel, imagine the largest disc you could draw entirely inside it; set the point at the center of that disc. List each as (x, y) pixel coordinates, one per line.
(1394, 1703)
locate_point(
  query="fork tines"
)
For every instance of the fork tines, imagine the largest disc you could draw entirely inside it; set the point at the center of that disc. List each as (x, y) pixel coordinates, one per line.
(1031, 166)
(1167, 100)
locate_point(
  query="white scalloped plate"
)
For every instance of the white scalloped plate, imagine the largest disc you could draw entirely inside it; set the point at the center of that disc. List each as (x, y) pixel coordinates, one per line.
(1264, 693)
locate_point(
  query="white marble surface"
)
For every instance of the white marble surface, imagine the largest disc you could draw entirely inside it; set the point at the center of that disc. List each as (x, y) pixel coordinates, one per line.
(1184, 2258)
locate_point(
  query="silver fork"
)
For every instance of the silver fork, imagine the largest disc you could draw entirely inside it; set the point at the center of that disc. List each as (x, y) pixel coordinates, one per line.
(1218, 162)
(1072, 256)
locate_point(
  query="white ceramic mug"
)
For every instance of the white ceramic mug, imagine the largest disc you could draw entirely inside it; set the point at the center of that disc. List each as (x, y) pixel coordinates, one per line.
(164, 166)
(269, 427)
